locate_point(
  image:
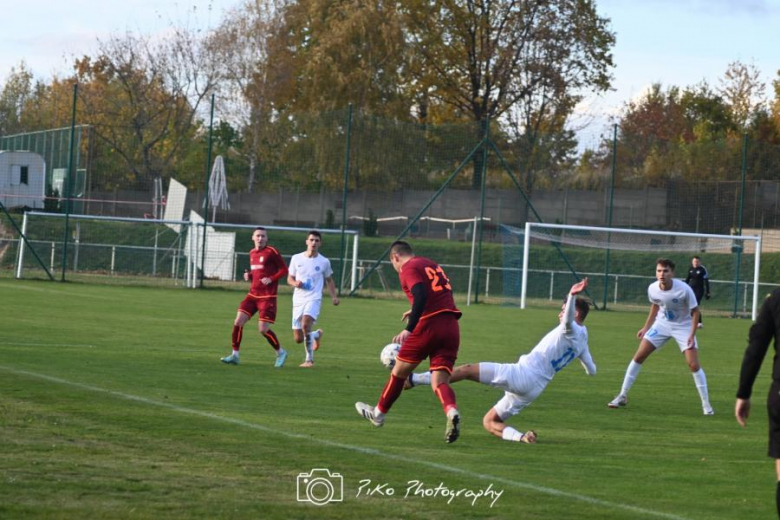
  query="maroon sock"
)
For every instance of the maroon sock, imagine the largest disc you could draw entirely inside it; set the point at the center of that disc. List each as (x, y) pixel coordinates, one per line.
(446, 396)
(238, 333)
(272, 339)
(393, 388)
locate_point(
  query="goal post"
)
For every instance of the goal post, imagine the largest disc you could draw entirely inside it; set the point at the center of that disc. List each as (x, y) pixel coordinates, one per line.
(550, 249)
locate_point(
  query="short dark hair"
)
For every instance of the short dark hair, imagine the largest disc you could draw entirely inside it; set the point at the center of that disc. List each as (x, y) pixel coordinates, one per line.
(665, 262)
(315, 233)
(259, 228)
(399, 247)
(695, 257)
(583, 306)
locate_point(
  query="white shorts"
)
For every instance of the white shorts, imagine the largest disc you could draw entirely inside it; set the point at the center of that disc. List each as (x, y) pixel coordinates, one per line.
(662, 331)
(308, 308)
(521, 386)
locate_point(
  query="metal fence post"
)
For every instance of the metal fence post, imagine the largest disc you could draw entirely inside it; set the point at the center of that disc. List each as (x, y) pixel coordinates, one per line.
(68, 182)
(344, 198)
(206, 198)
(739, 222)
(609, 212)
(485, 144)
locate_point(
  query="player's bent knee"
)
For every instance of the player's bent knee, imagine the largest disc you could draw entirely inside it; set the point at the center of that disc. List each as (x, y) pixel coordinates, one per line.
(491, 421)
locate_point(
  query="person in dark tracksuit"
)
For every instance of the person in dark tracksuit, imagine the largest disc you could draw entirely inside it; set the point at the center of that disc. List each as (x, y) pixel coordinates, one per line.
(699, 281)
(766, 327)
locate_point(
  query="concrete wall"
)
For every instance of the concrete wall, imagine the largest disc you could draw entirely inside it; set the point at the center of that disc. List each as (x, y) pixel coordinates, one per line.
(635, 208)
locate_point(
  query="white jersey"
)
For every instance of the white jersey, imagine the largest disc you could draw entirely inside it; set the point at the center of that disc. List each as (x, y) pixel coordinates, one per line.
(566, 342)
(312, 271)
(675, 305)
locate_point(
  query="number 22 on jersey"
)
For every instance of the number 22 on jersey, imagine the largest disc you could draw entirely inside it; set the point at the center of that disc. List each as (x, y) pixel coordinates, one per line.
(439, 280)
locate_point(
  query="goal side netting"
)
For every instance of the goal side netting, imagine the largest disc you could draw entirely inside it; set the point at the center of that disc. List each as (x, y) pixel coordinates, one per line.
(542, 261)
(161, 252)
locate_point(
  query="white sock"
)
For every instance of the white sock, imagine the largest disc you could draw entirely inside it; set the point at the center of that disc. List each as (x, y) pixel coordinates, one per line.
(307, 346)
(423, 378)
(510, 434)
(314, 335)
(701, 385)
(631, 372)
(235, 353)
(280, 352)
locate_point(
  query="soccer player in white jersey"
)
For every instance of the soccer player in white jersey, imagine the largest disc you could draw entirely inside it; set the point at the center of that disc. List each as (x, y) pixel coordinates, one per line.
(674, 314)
(309, 272)
(525, 380)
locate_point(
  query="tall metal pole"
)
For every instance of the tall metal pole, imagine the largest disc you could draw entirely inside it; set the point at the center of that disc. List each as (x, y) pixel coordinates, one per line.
(739, 223)
(344, 198)
(609, 212)
(206, 201)
(485, 145)
(68, 178)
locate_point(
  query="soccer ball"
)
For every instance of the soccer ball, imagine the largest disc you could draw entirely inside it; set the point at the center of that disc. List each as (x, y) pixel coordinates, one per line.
(388, 355)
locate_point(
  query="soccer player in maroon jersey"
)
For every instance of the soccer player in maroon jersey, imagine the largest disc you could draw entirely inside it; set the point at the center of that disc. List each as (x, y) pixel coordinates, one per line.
(431, 332)
(267, 267)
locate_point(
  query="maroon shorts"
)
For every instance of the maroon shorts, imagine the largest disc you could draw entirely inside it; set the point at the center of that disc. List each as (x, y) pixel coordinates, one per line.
(266, 308)
(437, 338)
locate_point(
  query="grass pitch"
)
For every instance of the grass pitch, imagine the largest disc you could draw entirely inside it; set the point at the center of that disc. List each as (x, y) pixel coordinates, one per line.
(113, 404)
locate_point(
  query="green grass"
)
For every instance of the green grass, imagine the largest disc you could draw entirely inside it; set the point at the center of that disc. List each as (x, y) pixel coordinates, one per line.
(113, 404)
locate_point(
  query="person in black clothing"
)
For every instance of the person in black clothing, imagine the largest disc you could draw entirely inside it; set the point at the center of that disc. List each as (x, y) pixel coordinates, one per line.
(700, 283)
(766, 327)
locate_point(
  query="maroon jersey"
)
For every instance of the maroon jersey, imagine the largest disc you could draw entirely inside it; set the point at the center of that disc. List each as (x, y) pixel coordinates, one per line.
(437, 286)
(265, 263)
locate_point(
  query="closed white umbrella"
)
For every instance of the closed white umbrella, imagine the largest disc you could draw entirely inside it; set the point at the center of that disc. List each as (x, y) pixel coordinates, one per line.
(218, 193)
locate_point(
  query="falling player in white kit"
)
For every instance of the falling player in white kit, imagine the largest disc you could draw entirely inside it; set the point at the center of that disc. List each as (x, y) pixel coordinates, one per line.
(674, 314)
(525, 380)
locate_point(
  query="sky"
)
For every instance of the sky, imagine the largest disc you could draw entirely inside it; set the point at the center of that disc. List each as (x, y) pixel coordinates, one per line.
(674, 42)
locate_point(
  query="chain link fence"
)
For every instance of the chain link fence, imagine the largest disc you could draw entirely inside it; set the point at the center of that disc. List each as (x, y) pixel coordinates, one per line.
(444, 187)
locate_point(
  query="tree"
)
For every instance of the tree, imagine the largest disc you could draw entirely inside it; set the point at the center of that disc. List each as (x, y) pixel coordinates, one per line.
(483, 57)
(249, 88)
(743, 91)
(775, 105)
(441, 60)
(17, 92)
(341, 52)
(673, 133)
(142, 97)
(543, 141)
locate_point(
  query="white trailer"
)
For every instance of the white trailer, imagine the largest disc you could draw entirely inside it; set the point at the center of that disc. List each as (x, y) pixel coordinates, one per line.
(22, 179)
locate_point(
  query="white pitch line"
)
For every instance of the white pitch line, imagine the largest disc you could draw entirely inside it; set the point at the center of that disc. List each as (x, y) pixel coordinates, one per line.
(64, 292)
(349, 447)
(85, 346)
(69, 345)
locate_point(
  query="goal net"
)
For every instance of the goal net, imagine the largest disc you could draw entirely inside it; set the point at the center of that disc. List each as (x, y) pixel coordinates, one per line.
(161, 252)
(542, 261)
